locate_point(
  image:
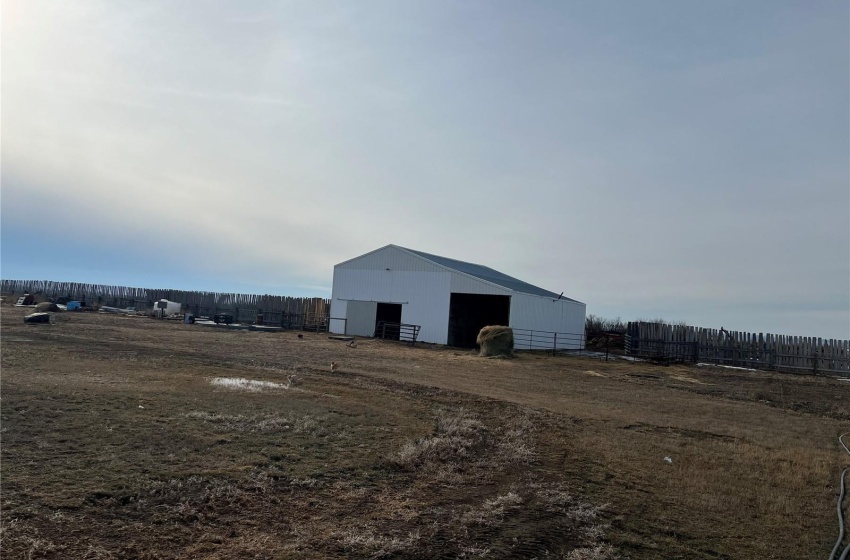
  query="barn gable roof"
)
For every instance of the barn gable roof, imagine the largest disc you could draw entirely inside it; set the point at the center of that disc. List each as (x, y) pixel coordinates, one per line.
(487, 274)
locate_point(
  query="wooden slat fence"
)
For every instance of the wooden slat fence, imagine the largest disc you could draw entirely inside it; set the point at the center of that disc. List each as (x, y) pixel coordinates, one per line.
(686, 344)
(276, 310)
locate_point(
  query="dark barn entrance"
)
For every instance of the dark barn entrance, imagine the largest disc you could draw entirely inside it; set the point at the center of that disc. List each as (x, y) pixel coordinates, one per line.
(388, 313)
(468, 313)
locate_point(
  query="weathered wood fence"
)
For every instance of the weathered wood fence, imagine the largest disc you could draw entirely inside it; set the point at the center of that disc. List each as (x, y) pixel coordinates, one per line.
(291, 312)
(685, 344)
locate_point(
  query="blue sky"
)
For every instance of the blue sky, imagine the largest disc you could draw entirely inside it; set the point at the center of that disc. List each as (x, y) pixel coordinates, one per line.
(685, 160)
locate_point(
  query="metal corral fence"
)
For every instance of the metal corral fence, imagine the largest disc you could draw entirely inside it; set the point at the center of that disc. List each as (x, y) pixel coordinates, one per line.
(288, 312)
(397, 331)
(551, 342)
(684, 344)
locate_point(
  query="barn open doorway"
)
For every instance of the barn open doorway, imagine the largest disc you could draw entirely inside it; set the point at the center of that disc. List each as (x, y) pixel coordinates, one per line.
(388, 313)
(468, 313)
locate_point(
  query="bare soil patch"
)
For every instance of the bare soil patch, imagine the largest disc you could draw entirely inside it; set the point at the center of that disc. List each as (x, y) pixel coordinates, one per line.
(129, 437)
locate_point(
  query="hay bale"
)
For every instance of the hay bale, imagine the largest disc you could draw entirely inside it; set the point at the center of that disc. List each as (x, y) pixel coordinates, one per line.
(46, 306)
(496, 341)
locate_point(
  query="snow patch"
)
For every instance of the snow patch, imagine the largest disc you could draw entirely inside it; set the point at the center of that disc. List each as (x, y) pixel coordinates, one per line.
(242, 384)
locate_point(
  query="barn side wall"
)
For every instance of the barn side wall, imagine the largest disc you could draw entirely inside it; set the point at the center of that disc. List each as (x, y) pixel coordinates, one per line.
(543, 314)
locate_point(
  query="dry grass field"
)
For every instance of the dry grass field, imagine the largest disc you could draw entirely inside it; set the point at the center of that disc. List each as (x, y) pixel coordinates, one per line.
(129, 437)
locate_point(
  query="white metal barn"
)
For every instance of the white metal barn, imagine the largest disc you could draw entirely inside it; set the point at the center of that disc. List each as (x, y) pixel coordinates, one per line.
(451, 300)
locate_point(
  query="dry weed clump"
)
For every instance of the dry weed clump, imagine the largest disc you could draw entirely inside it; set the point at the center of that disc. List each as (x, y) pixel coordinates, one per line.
(579, 514)
(474, 552)
(16, 533)
(598, 552)
(306, 482)
(558, 500)
(265, 423)
(456, 438)
(492, 511)
(462, 453)
(98, 553)
(364, 540)
(188, 499)
(514, 445)
(550, 508)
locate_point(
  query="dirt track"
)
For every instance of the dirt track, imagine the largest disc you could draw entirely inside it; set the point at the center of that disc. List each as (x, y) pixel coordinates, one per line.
(115, 444)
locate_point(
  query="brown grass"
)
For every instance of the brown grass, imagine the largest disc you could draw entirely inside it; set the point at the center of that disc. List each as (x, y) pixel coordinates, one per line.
(116, 445)
(456, 437)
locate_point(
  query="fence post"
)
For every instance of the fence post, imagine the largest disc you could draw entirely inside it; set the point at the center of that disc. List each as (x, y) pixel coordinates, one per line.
(555, 345)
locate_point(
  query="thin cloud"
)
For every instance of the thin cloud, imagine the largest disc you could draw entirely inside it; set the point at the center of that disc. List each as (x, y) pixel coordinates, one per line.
(221, 96)
(642, 160)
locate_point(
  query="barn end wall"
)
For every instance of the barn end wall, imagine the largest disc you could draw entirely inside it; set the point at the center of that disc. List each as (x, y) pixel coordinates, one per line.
(392, 258)
(424, 297)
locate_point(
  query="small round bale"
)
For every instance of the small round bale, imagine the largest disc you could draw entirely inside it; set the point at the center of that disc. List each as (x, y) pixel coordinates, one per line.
(496, 341)
(46, 306)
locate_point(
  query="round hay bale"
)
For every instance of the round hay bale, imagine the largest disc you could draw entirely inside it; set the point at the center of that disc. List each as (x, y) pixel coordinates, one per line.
(496, 341)
(46, 306)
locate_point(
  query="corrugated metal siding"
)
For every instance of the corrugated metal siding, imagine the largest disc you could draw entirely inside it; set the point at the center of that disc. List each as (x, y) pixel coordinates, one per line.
(339, 311)
(361, 318)
(424, 296)
(392, 258)
(462, 284)
(543, 314)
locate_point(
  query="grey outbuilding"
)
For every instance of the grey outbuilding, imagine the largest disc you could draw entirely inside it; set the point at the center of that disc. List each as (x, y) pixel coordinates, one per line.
(450, 300)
